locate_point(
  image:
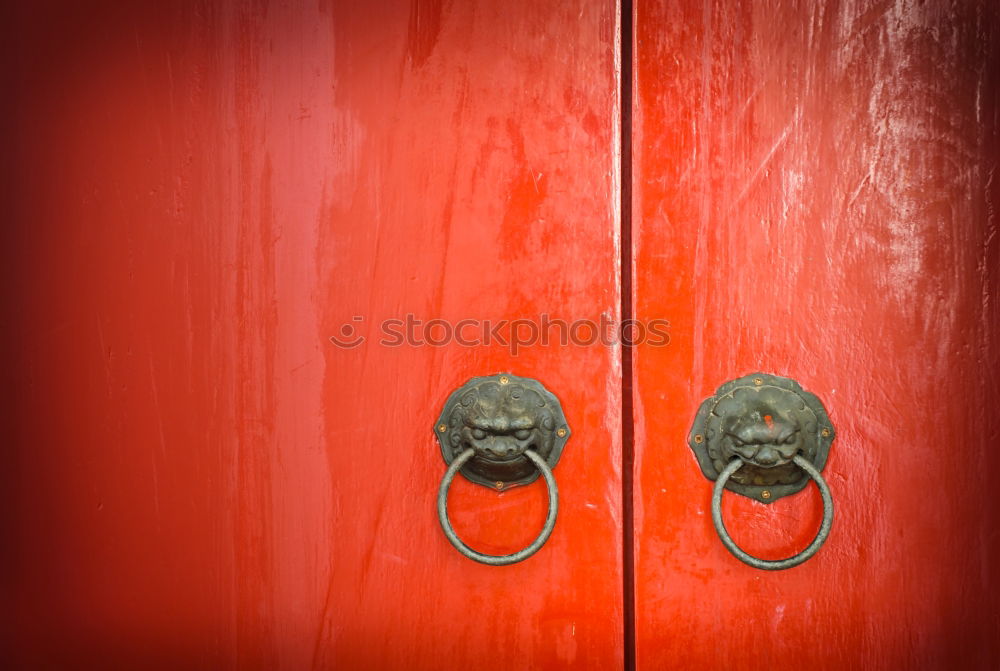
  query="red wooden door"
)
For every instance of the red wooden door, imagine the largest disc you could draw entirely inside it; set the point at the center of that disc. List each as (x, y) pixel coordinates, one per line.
(815, 197)
(202, 194)
(209, 204)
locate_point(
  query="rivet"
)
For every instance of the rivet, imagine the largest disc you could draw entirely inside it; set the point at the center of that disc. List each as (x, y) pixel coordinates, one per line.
(443, 428)
(504, 379)
(766, 494)
(498, 484)
(699, 438)
(758, 381)
(826, 433)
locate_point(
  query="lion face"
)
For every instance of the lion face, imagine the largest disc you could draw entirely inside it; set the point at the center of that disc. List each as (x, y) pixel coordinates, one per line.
(765, 427)
(766, 438)
(500, 422)
(763, 420)
(501, 417)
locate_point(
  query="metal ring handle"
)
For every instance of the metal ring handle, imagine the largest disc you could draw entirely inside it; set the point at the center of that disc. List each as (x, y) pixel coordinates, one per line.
(497, 560)
(777, 564)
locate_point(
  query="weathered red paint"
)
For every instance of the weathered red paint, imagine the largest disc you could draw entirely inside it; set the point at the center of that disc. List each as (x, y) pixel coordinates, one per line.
(815, 197)
(199, 195)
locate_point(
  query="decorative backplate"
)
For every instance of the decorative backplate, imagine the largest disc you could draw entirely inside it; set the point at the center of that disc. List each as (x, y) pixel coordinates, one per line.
(765, 420)
(500, 416)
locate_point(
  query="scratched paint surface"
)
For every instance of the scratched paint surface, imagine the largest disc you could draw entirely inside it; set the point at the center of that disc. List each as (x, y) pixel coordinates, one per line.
(815, 197)
(198, 195)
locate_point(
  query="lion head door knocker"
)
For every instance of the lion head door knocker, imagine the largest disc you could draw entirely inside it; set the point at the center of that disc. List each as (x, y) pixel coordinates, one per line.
(501, 431)
(763, 436)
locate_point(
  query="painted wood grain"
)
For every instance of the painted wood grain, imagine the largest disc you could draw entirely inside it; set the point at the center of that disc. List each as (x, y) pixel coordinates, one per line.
(199, 195)
(815, 198)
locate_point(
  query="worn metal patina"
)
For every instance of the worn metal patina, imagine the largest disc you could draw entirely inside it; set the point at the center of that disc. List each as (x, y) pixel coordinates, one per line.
(772, 564)
(763, 420)
(499, 431)
(500, 417)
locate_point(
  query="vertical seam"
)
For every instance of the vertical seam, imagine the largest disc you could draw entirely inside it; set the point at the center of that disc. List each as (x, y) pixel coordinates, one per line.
(627, 313)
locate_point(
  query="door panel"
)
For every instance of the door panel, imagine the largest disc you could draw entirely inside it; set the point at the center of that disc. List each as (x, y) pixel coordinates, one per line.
(199, 196)
(815, 198)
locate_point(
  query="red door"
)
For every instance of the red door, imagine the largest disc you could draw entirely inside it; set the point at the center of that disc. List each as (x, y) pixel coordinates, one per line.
(814, 198)
(252, 248)
(204, 194)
